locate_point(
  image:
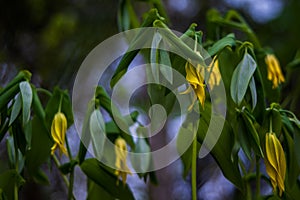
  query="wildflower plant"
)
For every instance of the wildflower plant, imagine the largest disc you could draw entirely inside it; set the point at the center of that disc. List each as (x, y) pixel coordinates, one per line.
(257, 129)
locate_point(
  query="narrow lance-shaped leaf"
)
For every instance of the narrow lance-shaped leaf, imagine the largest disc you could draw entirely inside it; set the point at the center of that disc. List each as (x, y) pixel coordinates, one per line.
(241, 78)
(228, 40)
(253, 92)
(130, 54)
(26, 94)
(154, 54)
(97, 129)
(141, 160)
(15, 109)
(166, 69)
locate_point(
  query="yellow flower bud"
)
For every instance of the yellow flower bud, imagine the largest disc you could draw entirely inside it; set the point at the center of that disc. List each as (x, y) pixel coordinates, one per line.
(274, 71)
(58, 132)
(121, 154)
(275, 162)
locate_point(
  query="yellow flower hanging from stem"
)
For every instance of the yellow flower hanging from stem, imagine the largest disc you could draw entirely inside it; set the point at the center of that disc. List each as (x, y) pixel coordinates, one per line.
(121, 155)
(58, 132)
(194, 77)
(275, 162)
(274, 71)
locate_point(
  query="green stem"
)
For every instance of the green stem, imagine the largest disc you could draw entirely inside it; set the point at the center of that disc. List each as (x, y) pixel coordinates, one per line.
(57, 164)
(194, 170)
(68, 148)
(42, 90)
(16, 188)
(70, 192)
(60, 103)
(257, 178)
(248, 192)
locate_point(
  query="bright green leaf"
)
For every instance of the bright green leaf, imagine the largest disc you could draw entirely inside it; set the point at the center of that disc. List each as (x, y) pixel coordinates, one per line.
(241, 78)
(26, 94)
(15, 109)
(97, 130)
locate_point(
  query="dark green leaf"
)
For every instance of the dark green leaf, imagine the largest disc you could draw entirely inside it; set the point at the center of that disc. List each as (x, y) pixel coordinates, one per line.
(292, 164)
(105, 179)
(41, 144)
(40, 177)
(23, 75)
(130, 54)
(222, 151)
(8, 179)
(95, 191)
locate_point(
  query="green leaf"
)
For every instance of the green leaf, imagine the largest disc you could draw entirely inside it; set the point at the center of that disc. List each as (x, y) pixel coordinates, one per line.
(6, 97)
(105, 179)
(23, 75)
(253, 92)
(15, 109)
(241, 78)
(228, 40)
(95, 191)
(167, 69)
(254, 137)
(40, 177)
(152, 15)
(115, 114)
(41, 144)
(8, 180)
(26, 94)
(222, 151)
(154, 56)
(292, 164)
(97, 130)
(141, 163)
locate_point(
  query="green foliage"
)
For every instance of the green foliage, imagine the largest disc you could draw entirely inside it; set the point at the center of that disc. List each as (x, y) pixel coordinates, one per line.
(253, 110)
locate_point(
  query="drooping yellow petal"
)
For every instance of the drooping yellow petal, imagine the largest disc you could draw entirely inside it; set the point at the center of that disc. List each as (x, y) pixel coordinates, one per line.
(194, 77)
(275, 162)
(274, 70)
(120, 163)
(58, 132)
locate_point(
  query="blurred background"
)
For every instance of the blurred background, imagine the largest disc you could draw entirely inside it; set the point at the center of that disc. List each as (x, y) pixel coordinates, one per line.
(52, 38)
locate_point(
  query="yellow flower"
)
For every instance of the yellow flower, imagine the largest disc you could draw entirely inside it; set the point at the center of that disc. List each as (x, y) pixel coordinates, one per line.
(58, 132)
(274, 71)
(214, 73)
(194, 77)
(121, 154)
(275, 162)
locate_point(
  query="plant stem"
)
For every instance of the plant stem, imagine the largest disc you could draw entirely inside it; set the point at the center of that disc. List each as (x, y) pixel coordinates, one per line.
(194, 170)
(70, 192)
(257, 178)
(57, 163)
(16, 188)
